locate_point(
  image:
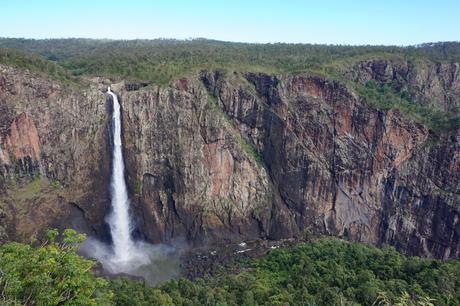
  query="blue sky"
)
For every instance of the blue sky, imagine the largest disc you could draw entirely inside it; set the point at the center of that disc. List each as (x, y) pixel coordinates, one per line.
(335, 22)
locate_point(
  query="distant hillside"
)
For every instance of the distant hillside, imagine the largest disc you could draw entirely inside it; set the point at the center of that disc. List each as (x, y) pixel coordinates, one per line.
(35, 63)
(162, 60)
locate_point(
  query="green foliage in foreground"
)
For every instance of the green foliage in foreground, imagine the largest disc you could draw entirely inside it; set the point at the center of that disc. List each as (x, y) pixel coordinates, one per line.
(51, 274)
(326, 272)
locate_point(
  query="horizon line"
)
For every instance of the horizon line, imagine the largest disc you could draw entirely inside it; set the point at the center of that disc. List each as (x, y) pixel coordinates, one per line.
(422, 44)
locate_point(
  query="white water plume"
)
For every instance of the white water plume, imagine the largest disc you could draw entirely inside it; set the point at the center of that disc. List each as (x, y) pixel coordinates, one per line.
(119, 220)
(153, 262)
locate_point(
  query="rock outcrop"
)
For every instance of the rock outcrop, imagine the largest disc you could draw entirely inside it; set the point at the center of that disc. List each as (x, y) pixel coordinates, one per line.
(430, 84)
(23, 144)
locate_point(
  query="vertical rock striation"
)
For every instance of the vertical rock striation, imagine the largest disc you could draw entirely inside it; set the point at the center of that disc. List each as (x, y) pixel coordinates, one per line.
(228, 156)
(345, 168)
(186, 168)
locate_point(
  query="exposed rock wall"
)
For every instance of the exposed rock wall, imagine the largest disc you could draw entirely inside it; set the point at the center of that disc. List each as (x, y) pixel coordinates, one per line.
(347, 169)
(54, 160)
(229, 156)
(235, 156)
(329, 163)
(186, 167)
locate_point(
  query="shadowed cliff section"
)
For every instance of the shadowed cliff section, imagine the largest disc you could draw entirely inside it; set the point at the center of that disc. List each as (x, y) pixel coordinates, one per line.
(340, 165)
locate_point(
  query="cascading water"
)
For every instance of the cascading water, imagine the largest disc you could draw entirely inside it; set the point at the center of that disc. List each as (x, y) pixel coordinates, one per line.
(153, 262)
(119, 220)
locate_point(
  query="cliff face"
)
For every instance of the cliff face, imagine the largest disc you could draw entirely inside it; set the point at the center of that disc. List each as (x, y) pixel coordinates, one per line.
(323, 161)
(187, 169)
(346, 169)
(230, 156)
(54, 161)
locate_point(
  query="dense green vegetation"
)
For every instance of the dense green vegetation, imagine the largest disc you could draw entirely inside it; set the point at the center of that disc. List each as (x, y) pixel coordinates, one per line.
(163, 60)
(35, 64)
(325, 272)
(160, 61)
(50, 274)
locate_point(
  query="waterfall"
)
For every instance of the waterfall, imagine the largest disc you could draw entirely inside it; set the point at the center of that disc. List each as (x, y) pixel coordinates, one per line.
(155, 263)
(119, 219)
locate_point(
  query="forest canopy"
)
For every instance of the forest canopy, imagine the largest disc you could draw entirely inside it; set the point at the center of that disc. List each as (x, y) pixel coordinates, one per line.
(325, 272)
(162, 60)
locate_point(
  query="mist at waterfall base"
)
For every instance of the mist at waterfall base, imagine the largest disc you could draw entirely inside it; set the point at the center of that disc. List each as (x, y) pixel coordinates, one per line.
(155, 263)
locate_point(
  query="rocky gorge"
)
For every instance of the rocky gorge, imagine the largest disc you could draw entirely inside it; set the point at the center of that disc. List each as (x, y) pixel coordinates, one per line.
(223, 156)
